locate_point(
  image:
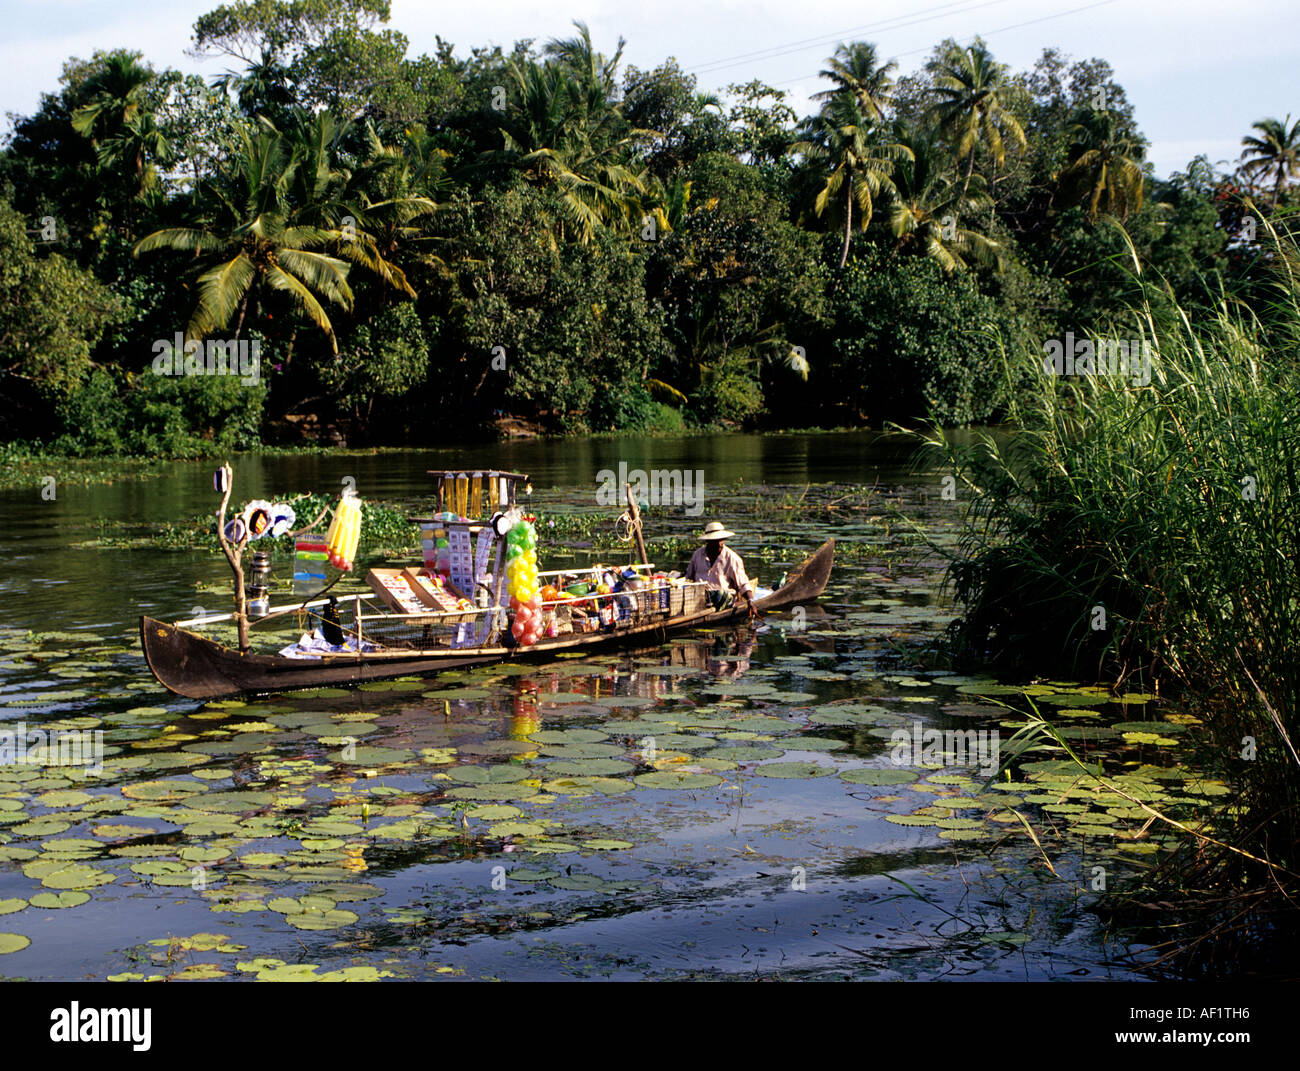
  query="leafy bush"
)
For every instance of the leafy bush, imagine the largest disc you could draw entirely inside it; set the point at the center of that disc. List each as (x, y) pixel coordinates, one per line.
(160, 416)
(910, 342)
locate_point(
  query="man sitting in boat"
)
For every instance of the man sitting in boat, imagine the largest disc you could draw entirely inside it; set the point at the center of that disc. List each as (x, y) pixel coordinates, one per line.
(721, 568)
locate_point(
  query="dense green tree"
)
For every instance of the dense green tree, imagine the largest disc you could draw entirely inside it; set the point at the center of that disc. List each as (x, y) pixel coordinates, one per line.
(52, 315)
(641, 251)
(911, 342)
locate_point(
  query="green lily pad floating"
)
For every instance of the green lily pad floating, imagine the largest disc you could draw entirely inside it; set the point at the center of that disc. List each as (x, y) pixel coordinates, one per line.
(375, 756)
(199, 942)
(587, 768)
(1077, 699)
(322, 920)
(569, 736)
(551, 847)
(291, 905)
(13, 942)
(529, 874)
(744, 753)
(738, 688)
(64, 798)
(317, 693)
(561, 697)
(677, 779)
(494, 812)
(42, 827)
(480, 775)
(1165, 727)
(163, 791)
(604, 844)
(1004, 938)
(578, 883)
(887, 776)
(12, 905)
(964, 834)
(60, 900)
(911, 819)
(585, 751)
(813, 743)
(72, 844)
(458, 693)
(158, 867)
(391, 686)
(799, 771)
(334, 733)
(350, 891)
(76, 876)
(492, 792)
(584, 786)
(516, 829)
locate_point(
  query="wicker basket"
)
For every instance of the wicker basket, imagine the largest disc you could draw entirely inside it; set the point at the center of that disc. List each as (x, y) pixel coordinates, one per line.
(689, 598)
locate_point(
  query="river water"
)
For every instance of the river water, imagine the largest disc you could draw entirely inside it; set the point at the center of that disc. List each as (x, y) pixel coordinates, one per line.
(726, 805)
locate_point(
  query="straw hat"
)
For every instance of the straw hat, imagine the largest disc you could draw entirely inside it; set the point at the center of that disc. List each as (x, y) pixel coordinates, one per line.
(714, 530)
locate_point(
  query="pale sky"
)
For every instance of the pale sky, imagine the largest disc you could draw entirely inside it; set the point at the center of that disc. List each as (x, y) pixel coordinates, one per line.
(1198, 72)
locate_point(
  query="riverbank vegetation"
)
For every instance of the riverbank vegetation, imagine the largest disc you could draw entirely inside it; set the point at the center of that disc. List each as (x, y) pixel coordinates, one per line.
(417, 246)
(1148, 534)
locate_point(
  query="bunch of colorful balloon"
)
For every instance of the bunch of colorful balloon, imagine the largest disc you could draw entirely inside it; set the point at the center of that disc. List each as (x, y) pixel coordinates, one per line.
(345, 532)
(521, 581)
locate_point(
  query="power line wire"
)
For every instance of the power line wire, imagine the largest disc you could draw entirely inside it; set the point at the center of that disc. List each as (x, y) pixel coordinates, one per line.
(821, 41)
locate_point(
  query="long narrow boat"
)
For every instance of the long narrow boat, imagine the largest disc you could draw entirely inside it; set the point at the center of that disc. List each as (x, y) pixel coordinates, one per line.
(200, 668)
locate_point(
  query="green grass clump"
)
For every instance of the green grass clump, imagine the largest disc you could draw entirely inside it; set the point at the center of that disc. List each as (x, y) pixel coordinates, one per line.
(1153, 530)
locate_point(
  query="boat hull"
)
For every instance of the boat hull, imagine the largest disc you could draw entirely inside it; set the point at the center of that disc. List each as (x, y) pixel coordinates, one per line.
(196, 667)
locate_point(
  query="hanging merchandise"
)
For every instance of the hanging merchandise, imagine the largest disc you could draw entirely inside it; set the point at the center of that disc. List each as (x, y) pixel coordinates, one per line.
(344, 532)
(522, 583)
(257, 517)
(283, 518)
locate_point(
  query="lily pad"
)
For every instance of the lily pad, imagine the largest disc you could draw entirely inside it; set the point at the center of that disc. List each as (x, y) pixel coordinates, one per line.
(872, 776)
(680, 779)
(60, 900)
(795, 770)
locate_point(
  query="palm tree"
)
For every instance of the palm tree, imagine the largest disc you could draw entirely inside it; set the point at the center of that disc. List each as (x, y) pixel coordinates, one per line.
(1104, 166)
(566, 133)
(928, 205)
(856, 70)
(252, 240)
(114, 118)
(589, 67)
(1275, 152)
(842, 139)
(969, 84)
(389, 195)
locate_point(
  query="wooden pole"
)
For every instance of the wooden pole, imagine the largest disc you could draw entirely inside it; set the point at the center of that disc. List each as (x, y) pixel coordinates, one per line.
(634, 512)
(234, 553)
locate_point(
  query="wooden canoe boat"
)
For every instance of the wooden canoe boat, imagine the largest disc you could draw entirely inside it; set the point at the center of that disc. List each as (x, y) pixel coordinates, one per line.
(200, 668)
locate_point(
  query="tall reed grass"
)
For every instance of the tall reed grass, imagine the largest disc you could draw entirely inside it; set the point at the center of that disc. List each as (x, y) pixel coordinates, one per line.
(1152, 532)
